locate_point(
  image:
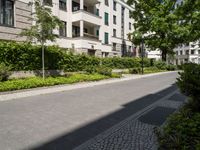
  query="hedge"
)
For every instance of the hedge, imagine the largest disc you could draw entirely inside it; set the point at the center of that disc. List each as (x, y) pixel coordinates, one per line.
(24, 56)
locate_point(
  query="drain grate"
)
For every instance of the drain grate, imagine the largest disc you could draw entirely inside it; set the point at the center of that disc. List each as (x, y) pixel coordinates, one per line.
(177, 97)
(157, 116)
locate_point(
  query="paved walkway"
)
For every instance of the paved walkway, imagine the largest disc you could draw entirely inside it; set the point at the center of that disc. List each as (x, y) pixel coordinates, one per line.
(119, 115)
(137, 131)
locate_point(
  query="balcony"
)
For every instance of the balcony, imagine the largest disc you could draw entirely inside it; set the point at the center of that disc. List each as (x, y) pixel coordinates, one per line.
(85, 10)
(85, 30)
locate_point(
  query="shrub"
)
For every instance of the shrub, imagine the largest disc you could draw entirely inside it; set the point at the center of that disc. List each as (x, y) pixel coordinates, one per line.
(189, 83)
(90, 69)
(181, 131)
(136, 70)
(104, 71)
(121, 63)
(151, 70)
(4, 72)
(160, 65)
(171, 67)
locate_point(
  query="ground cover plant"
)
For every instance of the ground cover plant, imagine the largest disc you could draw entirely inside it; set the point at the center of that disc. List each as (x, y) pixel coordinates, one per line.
(17, 84)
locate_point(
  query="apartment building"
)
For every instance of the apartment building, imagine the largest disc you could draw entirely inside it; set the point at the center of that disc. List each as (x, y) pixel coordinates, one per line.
(14, 16)
(188, 52)
(94, 27)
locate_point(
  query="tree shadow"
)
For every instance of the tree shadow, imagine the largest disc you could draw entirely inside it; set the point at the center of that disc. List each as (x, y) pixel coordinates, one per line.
(74, 138)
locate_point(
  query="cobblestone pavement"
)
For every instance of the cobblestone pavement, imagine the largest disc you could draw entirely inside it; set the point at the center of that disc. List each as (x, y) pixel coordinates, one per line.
(133, 134)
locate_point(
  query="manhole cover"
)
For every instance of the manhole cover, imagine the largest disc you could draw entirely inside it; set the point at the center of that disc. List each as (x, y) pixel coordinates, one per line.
(157, 116)
(177, 97)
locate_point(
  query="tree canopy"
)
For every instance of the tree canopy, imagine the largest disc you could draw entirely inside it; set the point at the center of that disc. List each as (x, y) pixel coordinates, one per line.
(164, 24)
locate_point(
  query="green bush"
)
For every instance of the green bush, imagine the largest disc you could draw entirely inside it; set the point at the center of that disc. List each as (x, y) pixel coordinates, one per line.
(160, 65)
(136, 70)
(24, 56)
(171, 67)
(181, 132)
(189, 83)
(121, 63)
(104, 71)
(4, 72)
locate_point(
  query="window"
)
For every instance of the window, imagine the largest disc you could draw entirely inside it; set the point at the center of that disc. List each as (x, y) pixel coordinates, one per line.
(114, 5)
(7, 12)
(97, 32)
(47, 2)
(129, 48)
(130, 26)
(106, 41)
(63, 30)
(187, 52)
(106, 19)
(62, 4)
(129, 14)
(192, 52)
(181, 52)
(114, 47)
(97, 12)
(114, 32)
(114, 19)
(106, 2)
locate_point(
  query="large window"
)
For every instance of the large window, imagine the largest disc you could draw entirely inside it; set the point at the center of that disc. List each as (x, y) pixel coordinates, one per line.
(63, 5)
(63, 30)
(7, 12)
(106, 19)
(106, 40)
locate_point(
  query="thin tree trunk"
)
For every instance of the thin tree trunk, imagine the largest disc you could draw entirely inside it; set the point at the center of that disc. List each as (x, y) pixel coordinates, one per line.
(164, 55)
(43, 70)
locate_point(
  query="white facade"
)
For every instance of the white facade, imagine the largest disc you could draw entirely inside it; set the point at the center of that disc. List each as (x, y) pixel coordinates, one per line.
(156, 54)
(85, 29)
(89, 18)
(188, 53)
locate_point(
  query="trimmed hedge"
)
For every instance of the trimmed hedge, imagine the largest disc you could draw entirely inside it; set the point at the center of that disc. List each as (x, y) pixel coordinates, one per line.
(24, 56)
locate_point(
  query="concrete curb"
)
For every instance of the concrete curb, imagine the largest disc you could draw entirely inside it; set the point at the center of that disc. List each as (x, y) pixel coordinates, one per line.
(54, 89)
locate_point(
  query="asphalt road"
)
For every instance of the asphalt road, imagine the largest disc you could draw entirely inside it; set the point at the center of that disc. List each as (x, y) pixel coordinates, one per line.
(64, 120)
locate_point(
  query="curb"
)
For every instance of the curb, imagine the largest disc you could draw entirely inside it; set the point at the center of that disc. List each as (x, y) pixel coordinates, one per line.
(54, 89)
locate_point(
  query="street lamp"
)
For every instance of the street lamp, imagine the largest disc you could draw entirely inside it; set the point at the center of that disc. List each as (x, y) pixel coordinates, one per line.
(142, 54)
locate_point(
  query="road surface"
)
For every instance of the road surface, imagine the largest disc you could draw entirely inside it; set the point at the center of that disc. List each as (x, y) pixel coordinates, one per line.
(67, 120)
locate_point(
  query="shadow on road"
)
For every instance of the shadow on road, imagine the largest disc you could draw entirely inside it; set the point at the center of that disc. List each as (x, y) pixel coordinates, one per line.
(73, 139)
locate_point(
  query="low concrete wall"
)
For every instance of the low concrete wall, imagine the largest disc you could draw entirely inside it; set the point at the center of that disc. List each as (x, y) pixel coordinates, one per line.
(28, 74)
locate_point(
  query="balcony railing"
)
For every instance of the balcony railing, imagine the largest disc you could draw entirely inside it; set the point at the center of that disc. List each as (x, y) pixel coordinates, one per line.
(87, 35)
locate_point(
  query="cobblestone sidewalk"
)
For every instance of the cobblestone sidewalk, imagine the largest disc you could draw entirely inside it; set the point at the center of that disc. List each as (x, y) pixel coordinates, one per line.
(137, 131)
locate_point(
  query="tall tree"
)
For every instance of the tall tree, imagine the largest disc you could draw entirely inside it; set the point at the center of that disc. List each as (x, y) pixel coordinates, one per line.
(162, 24)
(42, 28)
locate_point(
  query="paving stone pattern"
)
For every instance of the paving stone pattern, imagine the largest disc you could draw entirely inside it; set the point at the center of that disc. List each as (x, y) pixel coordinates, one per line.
(135, 132)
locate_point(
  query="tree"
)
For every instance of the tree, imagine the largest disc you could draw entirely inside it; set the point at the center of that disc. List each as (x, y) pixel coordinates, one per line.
(41, 30)
(163, 25)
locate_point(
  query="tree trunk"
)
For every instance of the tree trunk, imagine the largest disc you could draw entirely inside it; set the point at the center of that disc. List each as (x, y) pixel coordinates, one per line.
(43, 70)
(164, 55)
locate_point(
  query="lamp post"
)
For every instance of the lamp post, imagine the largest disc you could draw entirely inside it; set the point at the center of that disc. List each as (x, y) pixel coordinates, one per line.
(142, 54)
